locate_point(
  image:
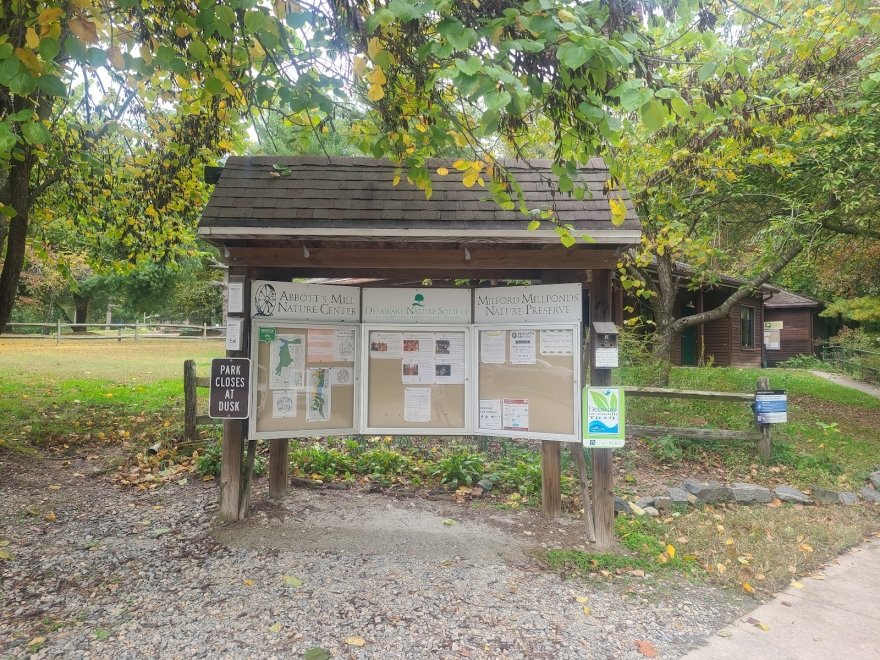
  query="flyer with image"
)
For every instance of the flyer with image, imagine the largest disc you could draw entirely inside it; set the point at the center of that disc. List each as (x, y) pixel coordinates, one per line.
(386, 345)
(286, 362)
(522, 347)
(490, 414)
(515, 414)
(318, 395)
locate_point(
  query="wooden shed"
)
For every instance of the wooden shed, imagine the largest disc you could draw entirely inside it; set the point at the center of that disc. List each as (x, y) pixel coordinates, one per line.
(277, 218)
(791, 326)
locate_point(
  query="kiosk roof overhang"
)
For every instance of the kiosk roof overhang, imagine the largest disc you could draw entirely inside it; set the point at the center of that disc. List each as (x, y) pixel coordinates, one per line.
(349, 200)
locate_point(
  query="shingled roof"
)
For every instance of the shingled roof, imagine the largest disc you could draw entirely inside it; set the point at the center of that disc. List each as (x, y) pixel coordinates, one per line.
(784, 298)
(343, 197)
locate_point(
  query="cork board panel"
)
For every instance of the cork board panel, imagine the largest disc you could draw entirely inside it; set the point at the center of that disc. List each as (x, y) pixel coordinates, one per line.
(341, 413)
(547, 385)
(386, 394)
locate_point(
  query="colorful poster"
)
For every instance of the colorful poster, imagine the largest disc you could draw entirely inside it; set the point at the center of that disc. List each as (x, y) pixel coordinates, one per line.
(490, 414)
(492, 348)
(321, 346)
(283, 403)
(449, 358)
(522, 347)
(604, 418)
(418, 345)
(556, 342)
(515, 414)
(386, 345)
(286, 362)
(417, 404)
(417, 371)
(318, 391)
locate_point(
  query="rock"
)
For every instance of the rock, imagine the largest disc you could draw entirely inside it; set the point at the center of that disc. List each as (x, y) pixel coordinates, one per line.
(870, 494)
(651, 511)
(791, 494)
(645, 501)
(620, 506)
(678, 496)
(707, 491)
(662, 503)
(692, 499)
(826, 496)
(636, 509)
(485, 484)
(848, 499)
(875, 479)
(302, 482)
(745, 493)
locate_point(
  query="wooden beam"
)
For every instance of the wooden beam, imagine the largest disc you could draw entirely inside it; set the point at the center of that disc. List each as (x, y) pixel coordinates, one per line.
(279, 452)
(551, 479)
(665, 393)
(190, 401)
(695, 433)
(359, 259)
(764, 440)
(603, 466)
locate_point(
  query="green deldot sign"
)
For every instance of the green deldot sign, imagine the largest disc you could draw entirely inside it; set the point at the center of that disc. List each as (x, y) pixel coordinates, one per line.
(267, 334)
(604, 419)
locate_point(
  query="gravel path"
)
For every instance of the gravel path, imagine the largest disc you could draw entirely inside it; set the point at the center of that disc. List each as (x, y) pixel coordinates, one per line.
(122, 573)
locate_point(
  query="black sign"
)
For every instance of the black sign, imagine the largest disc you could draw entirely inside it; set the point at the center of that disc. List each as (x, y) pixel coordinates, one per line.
(230, 388)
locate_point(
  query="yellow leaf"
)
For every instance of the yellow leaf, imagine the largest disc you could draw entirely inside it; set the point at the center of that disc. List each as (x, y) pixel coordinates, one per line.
(581, 599)
(31, 38)
(442, 171)
(275, 628)
(49, 15)
(4, 543)
(29, 60)
(50, 517)
(805, 548)
(37, 640)
(461, 165)
(375, 93)
(374, 47)
(721, 568)
(292, 581)
(618, 211)
(396, 180)
(470, 178)
(248, 582)
(587, 610)
(83, 29)
(359, 66)
(355, 640)
(670, 550)
(6, 555)
(763, 626)
(728, 542)
(54, 487)
(749, 589)
(377, 76)
(796, 584)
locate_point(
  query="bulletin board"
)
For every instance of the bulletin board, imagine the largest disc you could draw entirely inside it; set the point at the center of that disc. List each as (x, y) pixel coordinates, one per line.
(304, 379)
(415, 377)
(528, 379)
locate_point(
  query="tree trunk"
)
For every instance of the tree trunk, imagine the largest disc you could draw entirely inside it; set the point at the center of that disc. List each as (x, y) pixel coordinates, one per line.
(80, 312)
(16, 239)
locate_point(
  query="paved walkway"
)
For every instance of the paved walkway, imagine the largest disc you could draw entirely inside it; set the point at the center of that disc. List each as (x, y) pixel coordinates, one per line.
(838, 617)
(846, 381)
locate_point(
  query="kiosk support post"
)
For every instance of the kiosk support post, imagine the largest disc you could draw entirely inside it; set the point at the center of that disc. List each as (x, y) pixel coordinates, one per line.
(234, 431)
(603, 467)
(279, 451)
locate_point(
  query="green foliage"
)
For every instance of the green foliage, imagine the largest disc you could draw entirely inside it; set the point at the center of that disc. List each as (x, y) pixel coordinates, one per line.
(327, 462)
(803, 362)
(211, 458)
(579, 562)
(459, 467)
(383, 462)
(666, 449)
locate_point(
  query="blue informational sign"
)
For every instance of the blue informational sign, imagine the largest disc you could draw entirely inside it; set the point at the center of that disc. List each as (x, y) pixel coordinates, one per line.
(771, 406)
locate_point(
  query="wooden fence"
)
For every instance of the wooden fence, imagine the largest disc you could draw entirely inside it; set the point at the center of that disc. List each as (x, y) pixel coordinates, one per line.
(761, 434)
(118, 331)
(191, 417)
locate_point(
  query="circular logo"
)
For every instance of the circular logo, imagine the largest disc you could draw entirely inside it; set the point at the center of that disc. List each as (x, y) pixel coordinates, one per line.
(264, 300)
(343, 376)
(284, 404)
(346, 348)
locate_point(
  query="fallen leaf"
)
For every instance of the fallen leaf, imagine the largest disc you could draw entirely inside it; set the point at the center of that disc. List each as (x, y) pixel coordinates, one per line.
(749, 589)
(54, 487)
(728, 542)
(449, 522)
(758, 624)
(354, 640)
(670, 550)
(293, 581)
(50, 517)
(646, 648)
(724, 633)
(776, 503)
(796, 584)
(316, 652)
(587, 610)
(805, 548)
(721, 568)
(4, 543)
(275, 628)
(785, 602)
(582, 600)
(5, 555)
(183, 482)
(248, 582)
(37, 640)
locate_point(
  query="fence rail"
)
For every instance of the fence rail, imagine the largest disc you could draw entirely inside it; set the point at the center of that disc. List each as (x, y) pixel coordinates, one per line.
(761, 434)
(858, 362)
(133, 331)
(191, 417)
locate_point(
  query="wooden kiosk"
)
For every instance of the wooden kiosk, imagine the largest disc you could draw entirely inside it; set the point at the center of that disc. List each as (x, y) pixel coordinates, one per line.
(278, 219)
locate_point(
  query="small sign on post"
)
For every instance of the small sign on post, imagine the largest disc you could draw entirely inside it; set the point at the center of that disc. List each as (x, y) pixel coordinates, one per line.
(771, 406)
(230, 388)
(606, 354)
(604, 419)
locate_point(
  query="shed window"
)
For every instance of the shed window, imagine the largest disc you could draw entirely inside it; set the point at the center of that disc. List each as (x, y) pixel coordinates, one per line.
(747, 326)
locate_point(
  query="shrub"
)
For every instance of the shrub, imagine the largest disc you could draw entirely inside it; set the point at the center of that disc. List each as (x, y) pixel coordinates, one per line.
(666, 449)
(326, 462)
(384, 462)
(461, 467)
(211, 457)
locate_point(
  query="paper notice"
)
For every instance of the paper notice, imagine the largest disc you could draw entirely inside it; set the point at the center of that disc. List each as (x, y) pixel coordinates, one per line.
(233, 334)
(492, 349)
(606, 357)
(286, 362)
(556, 342)
(522, 347)
(283, 403)
(386, 345)
(318, 395)
(235, 297)
(448, 372)
(417, 371)
(343, 348)
(515, 414)
(490, 414)
(449, 358)
(321, 345)
(342, 376)
(417, 404)
(418, 345)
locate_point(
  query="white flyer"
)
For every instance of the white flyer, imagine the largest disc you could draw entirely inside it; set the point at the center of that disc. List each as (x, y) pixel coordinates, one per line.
(515, 414)
(490, 414)
(522, 346)
(448, 371)
(606, 357)
(233, 334)
(418, 345)
(283, 403)
(492, 348)
(343, 349)
(235, 298)
(386, 345)
(286, 362)
(417, 404)
(342, 376)
(318, 395)
(417, 371)
(556, 342)
(449, 358)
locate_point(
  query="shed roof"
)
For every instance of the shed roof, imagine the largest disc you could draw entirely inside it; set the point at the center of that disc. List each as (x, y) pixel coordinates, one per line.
(355, 198)
(784, 298)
